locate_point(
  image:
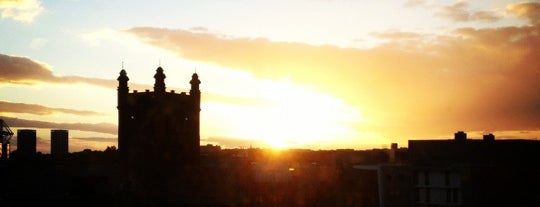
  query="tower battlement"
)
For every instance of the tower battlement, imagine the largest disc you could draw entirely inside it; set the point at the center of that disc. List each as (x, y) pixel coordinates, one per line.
(159, 126)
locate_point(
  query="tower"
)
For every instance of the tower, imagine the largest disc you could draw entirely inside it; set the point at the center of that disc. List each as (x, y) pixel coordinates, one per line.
(123, 116)
(59, 142)
(159, 128)
(159, 85)
(195, 95)
(26, 142)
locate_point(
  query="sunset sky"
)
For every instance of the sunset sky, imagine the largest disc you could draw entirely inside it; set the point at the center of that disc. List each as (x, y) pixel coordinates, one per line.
(320, 74)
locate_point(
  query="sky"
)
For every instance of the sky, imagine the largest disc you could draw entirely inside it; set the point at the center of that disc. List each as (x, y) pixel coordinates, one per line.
(318, 74)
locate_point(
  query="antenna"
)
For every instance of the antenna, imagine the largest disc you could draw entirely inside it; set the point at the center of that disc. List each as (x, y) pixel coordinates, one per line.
(122, 65)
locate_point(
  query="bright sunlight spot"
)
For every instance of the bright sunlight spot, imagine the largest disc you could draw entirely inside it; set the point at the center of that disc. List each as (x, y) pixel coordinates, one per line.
(291, 116)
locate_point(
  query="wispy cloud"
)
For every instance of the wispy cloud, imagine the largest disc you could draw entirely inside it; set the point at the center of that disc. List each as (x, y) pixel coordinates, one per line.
(415, 3)
(40, 110)
(529, 10)
(98, 127)
(460, 12)
(395, 34)
(471, 79)
(21, 10)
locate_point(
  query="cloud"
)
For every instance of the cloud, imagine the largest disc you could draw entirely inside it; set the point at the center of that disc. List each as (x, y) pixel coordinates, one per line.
(199, 29)
(23, 70)
(394, 34)
(413, 85)
(415, 3)
(460, 12)
(21, 10)
(529, 10)
(98, 127)
(39, 109)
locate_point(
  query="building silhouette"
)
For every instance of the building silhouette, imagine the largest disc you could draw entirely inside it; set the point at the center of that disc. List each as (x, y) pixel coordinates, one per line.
(475, 172)
(159, 127)
(26, 142)
(59, 142)
(389, 182)
(457, 172)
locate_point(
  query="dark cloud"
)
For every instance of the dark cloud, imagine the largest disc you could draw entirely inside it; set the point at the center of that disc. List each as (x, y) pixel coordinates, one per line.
(23, 70)
(98, 127)
(39, 109)
(460, 12)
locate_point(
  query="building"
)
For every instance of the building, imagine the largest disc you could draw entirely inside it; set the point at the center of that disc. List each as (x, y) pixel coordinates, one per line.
(59, 142)
(390, 182)
(475, 172)
(457, 172)
(26, 142)
(159, 127)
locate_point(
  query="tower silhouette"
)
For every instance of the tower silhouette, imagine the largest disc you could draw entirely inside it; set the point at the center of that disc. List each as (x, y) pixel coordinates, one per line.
(59, 142)
(26, 143)
(159, 127)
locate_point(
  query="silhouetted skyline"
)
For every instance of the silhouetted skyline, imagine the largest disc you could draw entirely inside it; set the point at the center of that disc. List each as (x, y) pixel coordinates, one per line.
(289, 103)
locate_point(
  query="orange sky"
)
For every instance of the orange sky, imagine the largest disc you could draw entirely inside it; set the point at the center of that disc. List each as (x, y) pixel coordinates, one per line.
(478, 75)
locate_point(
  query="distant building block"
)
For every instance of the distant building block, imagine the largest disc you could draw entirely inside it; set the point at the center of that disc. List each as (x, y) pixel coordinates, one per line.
(26, 142)
(59, 142)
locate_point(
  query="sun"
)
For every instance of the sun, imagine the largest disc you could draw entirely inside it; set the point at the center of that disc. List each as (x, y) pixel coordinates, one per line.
(293, 117)
(279, 144)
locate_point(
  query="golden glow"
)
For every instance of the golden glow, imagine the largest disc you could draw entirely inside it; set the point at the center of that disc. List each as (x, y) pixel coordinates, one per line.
(291, 117)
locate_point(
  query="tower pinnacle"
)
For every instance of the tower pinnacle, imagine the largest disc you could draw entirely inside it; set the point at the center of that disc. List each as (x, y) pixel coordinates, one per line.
(195, 83)
(159, 85)
(123, 80)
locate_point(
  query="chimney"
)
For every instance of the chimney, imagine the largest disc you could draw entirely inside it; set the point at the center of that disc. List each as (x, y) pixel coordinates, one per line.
(489, 137)
(394, 146)
(392, 152)
(460, 135)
